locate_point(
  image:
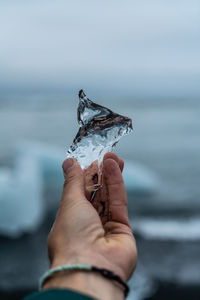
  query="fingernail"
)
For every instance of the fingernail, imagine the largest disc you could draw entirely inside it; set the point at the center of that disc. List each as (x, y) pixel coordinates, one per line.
(67, 164)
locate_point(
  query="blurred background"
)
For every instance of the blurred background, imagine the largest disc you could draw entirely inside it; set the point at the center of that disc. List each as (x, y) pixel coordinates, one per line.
(139, 58)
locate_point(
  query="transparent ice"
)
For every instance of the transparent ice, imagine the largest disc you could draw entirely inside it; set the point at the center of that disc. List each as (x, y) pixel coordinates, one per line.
(99, 132)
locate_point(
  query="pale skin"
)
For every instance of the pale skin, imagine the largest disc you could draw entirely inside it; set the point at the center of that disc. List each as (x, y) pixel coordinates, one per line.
(80, 235)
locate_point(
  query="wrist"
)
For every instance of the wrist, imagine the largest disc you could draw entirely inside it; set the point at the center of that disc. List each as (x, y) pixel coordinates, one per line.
(88, 258)
(90, 283)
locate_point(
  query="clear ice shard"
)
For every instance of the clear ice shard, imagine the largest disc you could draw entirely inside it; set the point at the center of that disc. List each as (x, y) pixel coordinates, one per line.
(99, 132)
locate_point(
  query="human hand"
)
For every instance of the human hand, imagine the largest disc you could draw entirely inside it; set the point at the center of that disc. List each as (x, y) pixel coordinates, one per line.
(80, 236)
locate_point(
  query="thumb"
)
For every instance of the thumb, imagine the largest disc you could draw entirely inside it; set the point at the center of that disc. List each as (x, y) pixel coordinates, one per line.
(74, 181)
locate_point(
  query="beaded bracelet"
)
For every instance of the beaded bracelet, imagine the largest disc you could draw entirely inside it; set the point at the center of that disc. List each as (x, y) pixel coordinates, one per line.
(104, 272)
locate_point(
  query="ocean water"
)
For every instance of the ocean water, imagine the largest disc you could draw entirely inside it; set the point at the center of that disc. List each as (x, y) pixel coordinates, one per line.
(165, 139)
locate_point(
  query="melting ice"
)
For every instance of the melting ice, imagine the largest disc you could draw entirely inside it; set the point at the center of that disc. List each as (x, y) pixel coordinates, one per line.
(99, 132)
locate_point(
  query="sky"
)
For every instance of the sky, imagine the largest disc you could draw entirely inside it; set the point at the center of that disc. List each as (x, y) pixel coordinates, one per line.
(149, 48)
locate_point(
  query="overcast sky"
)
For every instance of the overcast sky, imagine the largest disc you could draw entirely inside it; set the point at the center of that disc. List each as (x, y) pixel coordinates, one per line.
(149, 47)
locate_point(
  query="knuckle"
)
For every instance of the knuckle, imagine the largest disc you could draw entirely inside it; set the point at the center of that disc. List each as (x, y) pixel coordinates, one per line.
(69, 178)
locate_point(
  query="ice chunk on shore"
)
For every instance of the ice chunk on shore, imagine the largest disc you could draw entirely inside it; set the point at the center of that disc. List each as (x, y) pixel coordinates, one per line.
(99, 132)
(21, 205)
(168, 228)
